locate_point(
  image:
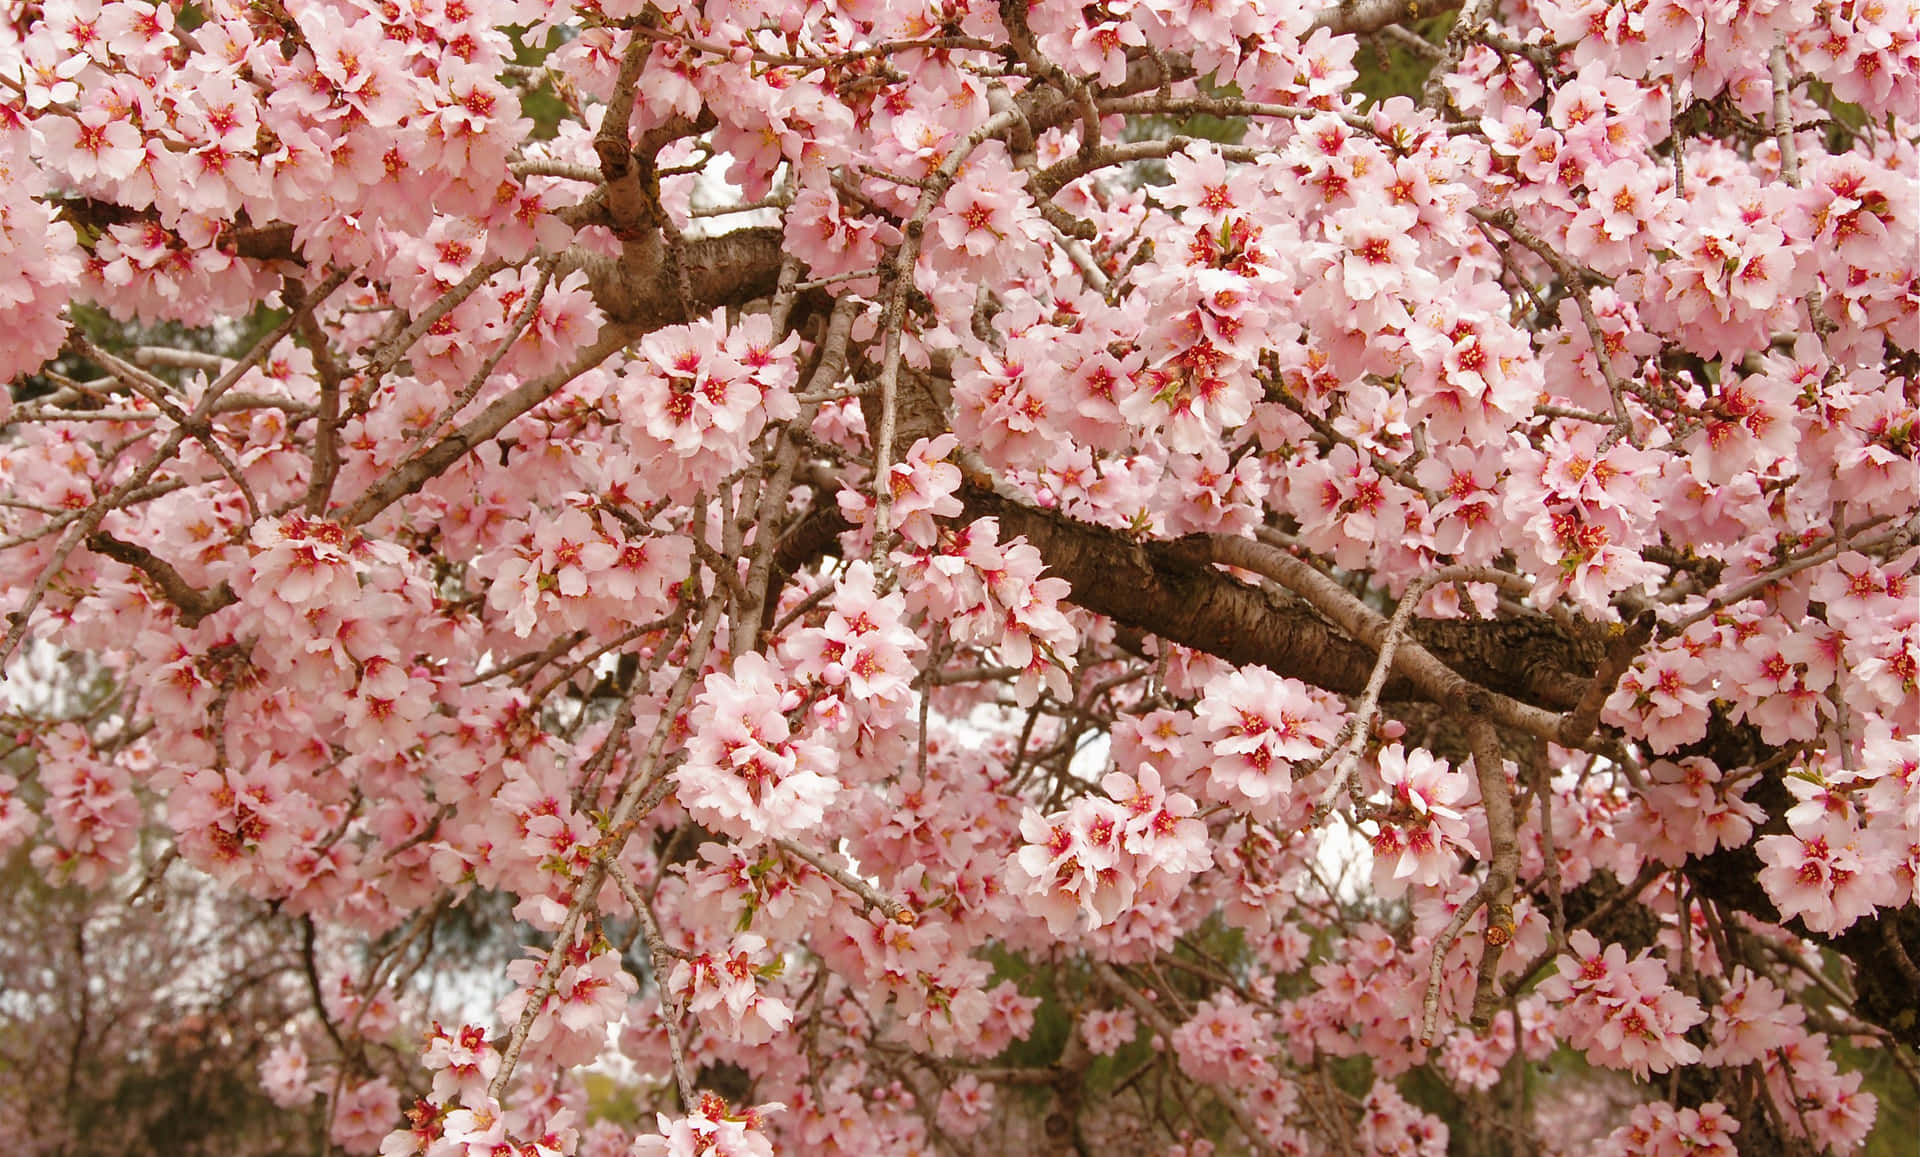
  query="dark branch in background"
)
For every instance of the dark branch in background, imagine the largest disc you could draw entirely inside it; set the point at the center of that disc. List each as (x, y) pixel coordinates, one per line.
(270, 242)
(326, 438)
(1437, 681)
(194, 604)
(1877, 944)
(639, 289)
(1165, 589)
(316, 992)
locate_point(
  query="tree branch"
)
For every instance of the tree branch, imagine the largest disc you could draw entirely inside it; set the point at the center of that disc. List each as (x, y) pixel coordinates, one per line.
(1489, 765)
(194, 604)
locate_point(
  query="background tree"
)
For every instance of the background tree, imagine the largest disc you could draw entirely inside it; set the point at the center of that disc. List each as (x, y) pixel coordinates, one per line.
(140, 1028)
(908, 578)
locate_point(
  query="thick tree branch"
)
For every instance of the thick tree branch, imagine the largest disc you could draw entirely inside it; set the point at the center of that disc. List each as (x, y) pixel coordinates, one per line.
(1169, 589)
(638, 288)
(194, 604)
(1436, 679)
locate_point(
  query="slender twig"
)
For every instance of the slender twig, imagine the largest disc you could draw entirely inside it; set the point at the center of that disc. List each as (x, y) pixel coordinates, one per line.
(1592, 919)
(88, 522)
(1579, 723)
(67, 518)
(540, 658)
(1430, 1014)
(620, 824)
(671, 1010)
(1897, 539)
(157, 392)
(543, 988)
(1549, 853)
(414, 473)
(485, 373)
(870, 896)
(899, 281)
(1577, 280)
(1243, 1116)
(1360, 723)
(1276, 390)
(1783, 129)
(389, 355)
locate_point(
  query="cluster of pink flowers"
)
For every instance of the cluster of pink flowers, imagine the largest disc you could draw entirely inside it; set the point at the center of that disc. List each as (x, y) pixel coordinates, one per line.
(1392, 1127)
(862, 655)
(91, 808)
(1827, 869)
(1621, 311)
(966, 1106)
(1688, 809)
(582, 1000)
(1419, 838)
(1621, 1013)
(711, 1130)
(701, 393)
(463, 1062)
(1134, 849)
(1107, 1030)
(286, 1077)
(1259, 727)
(1472, 1060)
(747, 774)
(39, 255)
(228, 824)
(991, 593)
(304, 567)
(572, 568)
(1660, 1130)
(720, 987)
(1226, 1039)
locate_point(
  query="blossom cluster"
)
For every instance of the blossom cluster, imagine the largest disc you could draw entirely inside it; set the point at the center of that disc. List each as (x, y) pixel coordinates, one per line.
(1624, 1014)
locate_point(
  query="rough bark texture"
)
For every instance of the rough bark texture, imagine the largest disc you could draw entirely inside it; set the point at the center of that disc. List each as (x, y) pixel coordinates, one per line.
(638, 288)
(1158, 587)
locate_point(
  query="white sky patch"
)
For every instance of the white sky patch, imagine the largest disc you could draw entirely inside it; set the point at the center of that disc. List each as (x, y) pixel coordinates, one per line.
(712, 191)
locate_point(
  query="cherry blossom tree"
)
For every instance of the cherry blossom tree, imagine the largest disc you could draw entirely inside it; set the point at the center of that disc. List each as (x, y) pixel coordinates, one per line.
(869, 539)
